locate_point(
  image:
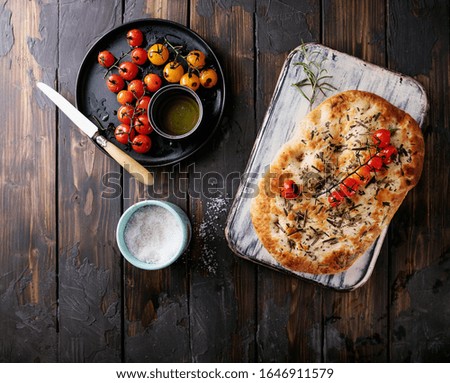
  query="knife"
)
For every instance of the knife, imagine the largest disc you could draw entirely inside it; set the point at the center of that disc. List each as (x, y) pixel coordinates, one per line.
(128, 163)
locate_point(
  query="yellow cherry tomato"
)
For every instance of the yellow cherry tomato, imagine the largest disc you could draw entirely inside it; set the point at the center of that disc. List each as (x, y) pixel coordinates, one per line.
(158, 54)
(190, 80)
(196, 59)
(208, 78)
(173, 71)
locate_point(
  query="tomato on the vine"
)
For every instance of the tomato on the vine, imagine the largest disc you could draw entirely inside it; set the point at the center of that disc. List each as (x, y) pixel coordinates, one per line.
(375, 163)
(349, 186)
(125, 97)
(124, 133)
(381, 138)
(106, 59)
(153, 82)
(125, 114)
(364, 174)
(173, 71)
(142, 125)
(137, 88)
(139, 56)
(135, 38)
(142, 104)
(158, 54)
(208, 78)
(128, 70)
(141, 143)
(387, 153)
(115, 83)
(335, 198)
(196, 59)
(190, 80)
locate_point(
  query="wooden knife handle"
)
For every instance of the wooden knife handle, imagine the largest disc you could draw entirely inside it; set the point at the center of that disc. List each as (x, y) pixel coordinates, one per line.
(128, 163)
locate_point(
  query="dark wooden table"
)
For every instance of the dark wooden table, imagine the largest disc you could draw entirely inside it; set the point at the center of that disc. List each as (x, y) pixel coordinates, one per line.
(67, 295)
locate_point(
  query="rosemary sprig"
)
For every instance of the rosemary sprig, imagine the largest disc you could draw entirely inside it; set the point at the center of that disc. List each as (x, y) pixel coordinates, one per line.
(316, 75)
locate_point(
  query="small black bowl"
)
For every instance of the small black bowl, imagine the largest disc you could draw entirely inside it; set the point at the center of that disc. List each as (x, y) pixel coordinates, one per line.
(175, 111)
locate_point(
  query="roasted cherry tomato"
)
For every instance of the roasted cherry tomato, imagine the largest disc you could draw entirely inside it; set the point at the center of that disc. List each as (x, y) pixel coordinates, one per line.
(141, 143)
(125, 97)
(124, 133)
(158, 54)
(364, 174)
(128, 71)
(125, 114)
(137, 88)
(135, 38)
(173, 71)
(142, 105)
(375, 163)
(289, 190)
(190, 80)
(196, 59)
(208, 78)
(142, 125)
(115, 83)
(387, 153)
(381, 138)
(153, 82)
(106, 59)
(139, 56)
(335, 198)
(349, 186)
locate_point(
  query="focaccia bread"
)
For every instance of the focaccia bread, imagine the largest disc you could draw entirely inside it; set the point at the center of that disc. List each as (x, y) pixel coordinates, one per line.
(337, 183)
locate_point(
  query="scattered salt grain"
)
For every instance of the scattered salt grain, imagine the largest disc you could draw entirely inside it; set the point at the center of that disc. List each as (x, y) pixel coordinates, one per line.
(153, 234)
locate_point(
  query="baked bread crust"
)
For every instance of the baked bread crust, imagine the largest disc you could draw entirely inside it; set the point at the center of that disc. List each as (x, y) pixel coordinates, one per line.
(306, 234)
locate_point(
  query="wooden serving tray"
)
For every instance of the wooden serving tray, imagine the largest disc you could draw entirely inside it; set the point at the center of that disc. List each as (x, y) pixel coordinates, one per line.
(286, 108)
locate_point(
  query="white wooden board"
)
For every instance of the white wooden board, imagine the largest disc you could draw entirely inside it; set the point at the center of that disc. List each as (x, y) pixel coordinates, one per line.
(287, 107)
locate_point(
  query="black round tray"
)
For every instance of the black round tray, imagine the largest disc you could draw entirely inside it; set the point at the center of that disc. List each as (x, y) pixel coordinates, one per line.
(93, 98)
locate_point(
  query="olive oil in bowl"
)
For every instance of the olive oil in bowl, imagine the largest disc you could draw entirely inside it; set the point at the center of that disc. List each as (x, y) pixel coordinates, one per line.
(175, 111)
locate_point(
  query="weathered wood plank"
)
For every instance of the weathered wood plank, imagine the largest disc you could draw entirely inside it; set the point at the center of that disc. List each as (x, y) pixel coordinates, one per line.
(418, 45)
(285, 333)
(28, 322)
(156, 317)
(355, 323)
(222, 287)
(89, 262)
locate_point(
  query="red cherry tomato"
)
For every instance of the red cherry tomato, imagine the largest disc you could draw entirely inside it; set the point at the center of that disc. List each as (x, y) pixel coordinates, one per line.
(139, 56)
(125, 114)
(115, 83)
(106, 59)
(142, 105)
(142, 125)
(387, 153)
(335, 198)
(141, 143)
(124, 133)
(289, 190)
(125, 97)
(128, 71)
(381, 137)
(137, 88)
(153, 82)
(135, 38)
(349, 186)
(375, 163)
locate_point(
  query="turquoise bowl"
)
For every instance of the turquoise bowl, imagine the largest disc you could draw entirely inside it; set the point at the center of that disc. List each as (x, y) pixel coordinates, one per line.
(178, 214)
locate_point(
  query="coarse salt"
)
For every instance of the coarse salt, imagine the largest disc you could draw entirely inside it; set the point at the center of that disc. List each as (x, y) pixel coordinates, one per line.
(153, 234)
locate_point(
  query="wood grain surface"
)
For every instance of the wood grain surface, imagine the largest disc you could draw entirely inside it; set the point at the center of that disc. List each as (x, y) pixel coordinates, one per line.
(67, 295)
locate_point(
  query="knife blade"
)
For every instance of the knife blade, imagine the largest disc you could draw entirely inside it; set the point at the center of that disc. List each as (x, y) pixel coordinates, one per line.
(79, 119)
